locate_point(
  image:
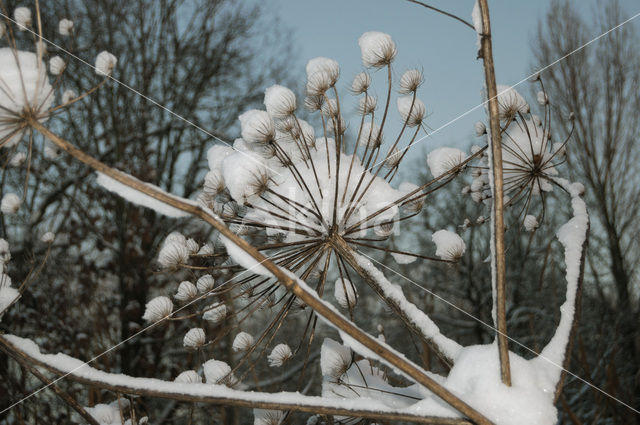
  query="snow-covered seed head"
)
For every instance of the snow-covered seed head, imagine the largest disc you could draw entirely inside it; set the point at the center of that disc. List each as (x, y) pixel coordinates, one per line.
(68, 95)
(367, 105)
(345, 293)
(48, 237)
(313, 102)
(415, 202)
(10, 203)
(481, 128)
(188, 377)
(443, 160)
(410, 81)
(383, 228)
(330, 108)
(205, 283)
(105, 63)
(371, 135)
(242, 342)
(322, 74)
(17, 159)
(213, 183)
(257, 127)
(449, 245)
(25, 91)
(335, 359)
(22, 16)
(186, 291)
(174, 251)
(219, 372)
(377, 48)
(542, 98)
(361, 83)
(279, 355)
(5, 253)
(267, 417)
(157, 309)
(510, 103)
(65, 27)
(393, 159)
(279, 101)
(192, 246)
(412, 111)
(194, 338)
(215, 313)
(56, 65)
(530, 223)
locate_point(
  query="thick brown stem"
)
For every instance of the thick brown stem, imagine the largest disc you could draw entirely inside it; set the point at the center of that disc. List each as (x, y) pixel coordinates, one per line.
(306, 295)
(498, 196)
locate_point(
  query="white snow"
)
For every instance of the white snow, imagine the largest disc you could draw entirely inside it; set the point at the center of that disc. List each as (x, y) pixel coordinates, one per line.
(22, 16)
(449, 245)
(174, 251)
(403, 258)
(242, 342)
(280, 101)
(243, 258)
(56, 65)
(218, 372)
(194, 338)
(335, 359)
(65, 27)
(572, 235)
(421, 320)
(24, 85)
(377, 48)
(137, 197)
(476, 18)
(412, 111)
(205, 283)
(442, 160)
(7, 294)
(243, 174)
(345, 293)
(279, 355)
(10, 203)
(157, 309)
(105, 63)
(410, 81)
(215, 313)
(66, 364)
(530, 223)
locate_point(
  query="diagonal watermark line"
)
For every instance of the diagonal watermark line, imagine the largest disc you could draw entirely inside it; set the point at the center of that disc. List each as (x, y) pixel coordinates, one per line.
(128, 87)
(497, 331)
(480, 105)
(204, 295)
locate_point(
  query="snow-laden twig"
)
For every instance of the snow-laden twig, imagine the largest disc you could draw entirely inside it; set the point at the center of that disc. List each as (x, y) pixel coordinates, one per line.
(573, 237)
(77, 370)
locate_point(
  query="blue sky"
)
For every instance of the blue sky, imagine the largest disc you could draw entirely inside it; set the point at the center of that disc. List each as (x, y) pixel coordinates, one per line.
(442, 47)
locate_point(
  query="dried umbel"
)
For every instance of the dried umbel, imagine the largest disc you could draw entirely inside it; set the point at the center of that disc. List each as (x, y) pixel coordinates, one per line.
(186, 291)
(449, 245)
(194, 338)
(279, 355)
(242, 342)
(188, 377)
(158, 309)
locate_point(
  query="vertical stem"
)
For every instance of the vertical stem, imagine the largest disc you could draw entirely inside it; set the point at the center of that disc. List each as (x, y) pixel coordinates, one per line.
(498, 195)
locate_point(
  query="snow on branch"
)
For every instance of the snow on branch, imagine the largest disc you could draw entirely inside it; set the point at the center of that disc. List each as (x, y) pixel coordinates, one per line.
(573, 237)
(78, 370)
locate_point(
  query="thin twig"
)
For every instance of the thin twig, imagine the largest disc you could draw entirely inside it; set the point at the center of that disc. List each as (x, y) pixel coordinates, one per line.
(450, 15)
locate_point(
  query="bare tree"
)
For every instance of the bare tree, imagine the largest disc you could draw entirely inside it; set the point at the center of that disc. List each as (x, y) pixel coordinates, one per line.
(599, 86)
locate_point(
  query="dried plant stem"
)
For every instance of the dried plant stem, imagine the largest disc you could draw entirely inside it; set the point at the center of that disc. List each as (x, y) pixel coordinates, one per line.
(286, 279)
(497, 195)
(26, 362)
(11, 349)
